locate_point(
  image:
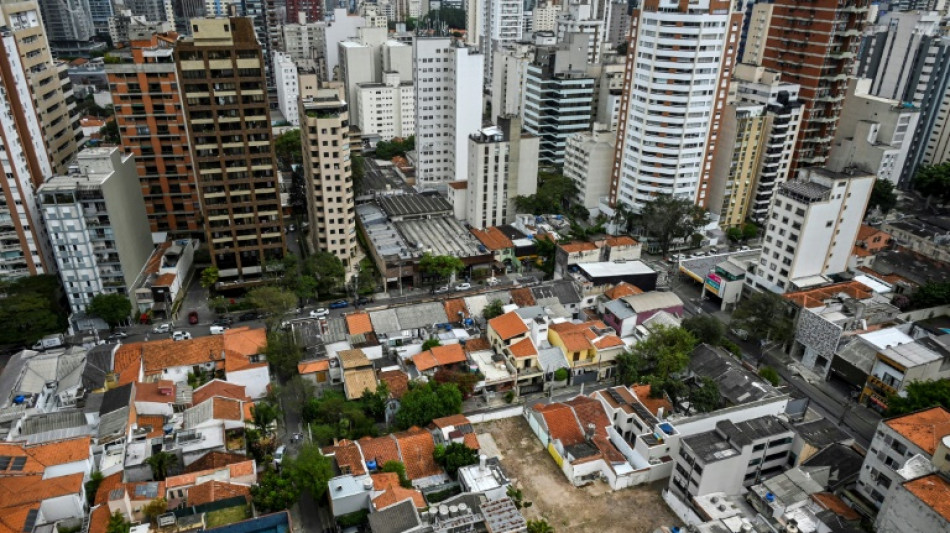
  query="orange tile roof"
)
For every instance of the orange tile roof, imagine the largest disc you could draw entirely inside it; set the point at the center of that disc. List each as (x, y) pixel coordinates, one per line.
(590, 411)
(109, 483)
(934, 491)
(41, 456)
(860, 252)
(161, 391)
(385, 480)
(162, 354)
(451, 421)
(816, 297)
(227, 409)
(439, 356)
(310, 367)
(416, 447)
(99, 519)
(380, 449)
(523, 348)
(621, 240)
(215, 461)
(397, 494)
(622, 289)
(575, 247)
(242, 469)
(157, 424)
(836, 505)
(508, 325)
(455, 306)
(471, 440)
(239, 345)
(397, 381)
(164, 280)
(923, 428)
(213, 491)
(155, 260)
(890, 278)
(652, 404)
(575, 341)
(358, 323)
(477, 344)
(608, 341)
(522, 297)
(562, 423)
(127, 362)
(217, 387)
(865, 232)
(348, 458)
(493, 238)
(23, 490)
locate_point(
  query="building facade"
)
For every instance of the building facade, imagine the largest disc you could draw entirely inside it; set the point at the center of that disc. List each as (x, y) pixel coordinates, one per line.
(587, 159)
(306, 44)
(148, 110)
(226, 110)
(387, 109)
(736, 162)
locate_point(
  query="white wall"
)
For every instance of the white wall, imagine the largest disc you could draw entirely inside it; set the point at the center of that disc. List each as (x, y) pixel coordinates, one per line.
(154, 408)
(62, 507)
(76, 467)
(255, 380)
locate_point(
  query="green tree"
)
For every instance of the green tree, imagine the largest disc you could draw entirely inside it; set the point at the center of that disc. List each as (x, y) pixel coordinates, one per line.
(327, 270)
(705, 396)
(333, 417)
(454, 456)
(628, 368)
(310, 470)
(264, 415)
(763, 316)
(114, 308)
(423, 403)
(664, 352)
(554, 196)
(706, 328)
(734, 234)
(667, 219)
(283, 353)
(28, 318)
(561, 374)
(161, 463)
(440, 267)
(749, 231)
(110, 133)
(430, 343)
(539, 526)
(396, 147)
(399, 469)
(274, 491)
(933, 181)
(92, 487)
(374, 403)
(769, 374)
(154, 508)
(546, 249)
(517, 497)
(273, 301)
(883, 196)
(931, 294)
(209, 277)
(493, 309)
(289, 149)
(622, 49)
(118, 523)
(920, 395)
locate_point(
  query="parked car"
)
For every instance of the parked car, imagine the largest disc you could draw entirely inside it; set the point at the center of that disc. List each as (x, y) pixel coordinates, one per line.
(218, 329)
(181, 335)
(279, 456)
(248, 316)
(319, 312)
(339, 304)
(492, 282)
(463, 286)
(161, 328)
(192, 317)
(224, 321)
(442, 289)
(363, 300)
(117, 335)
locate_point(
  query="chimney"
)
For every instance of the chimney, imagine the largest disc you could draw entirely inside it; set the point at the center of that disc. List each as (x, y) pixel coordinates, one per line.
(483, 462)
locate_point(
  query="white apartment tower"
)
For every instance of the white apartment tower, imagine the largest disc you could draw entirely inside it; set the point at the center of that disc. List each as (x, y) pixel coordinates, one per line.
(368, 58)
(288, 87)
(677, 78)
(388, 108)
(587, 17)
(510, 65)
(587, 160)
(306, 44)
(544, 16)
(448, 85)
(812, 226)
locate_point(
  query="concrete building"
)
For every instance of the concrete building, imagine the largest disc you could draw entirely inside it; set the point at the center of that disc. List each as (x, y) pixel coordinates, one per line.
(755, 33)
(831, 32)
(544, 16)
(387, 109)
(232, 147)
(587, 162)
(306, 44)
(325, 135)
(731, 457)
(609, 92)
(288, 87)
(97, 227)
(587, 18)
(666, 136)
(927, 236)
(368, 58)
(148, 109)
(24, 163)
(812, 227)
(311, 10)
(474, 22)
(340, 28)
(618, 23)
(888, 49)
(917, 505)
(937, 148)
(873, 134)
(558, 97)
(896, 367)
(502, 164)
(736, 162)
(448, 81)
(50, 92)
(69, 27)
(897, 440)
(509, 65)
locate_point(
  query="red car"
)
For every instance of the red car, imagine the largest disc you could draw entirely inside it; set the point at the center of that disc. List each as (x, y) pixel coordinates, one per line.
(193, 317)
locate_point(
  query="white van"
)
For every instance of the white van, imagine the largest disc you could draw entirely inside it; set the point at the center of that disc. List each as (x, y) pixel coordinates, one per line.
(218, 330)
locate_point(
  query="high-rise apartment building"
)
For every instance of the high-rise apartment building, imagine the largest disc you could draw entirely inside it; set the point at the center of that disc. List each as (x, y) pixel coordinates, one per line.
(325, 130)
(736, 162)
(585, 17)
(587, 159)
(474, 22)
(221, 73)
(814, 45)
(755, 31)
(312, 9)
(510, 64)
(812, 226)
(668, 132)
(24, 163)
(544, 16)
(502, 164)
(890, 46)
(387, 109)
(148, 111)
(69, 27)
(368, 58)
(151, 10)
(101, 11)
(95, 216)
(448, 83)
(306, 44)
(51, 93)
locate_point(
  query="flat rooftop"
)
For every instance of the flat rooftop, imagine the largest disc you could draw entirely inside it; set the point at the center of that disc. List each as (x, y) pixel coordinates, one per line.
(414, 205)
(605, 269)
(443, 235)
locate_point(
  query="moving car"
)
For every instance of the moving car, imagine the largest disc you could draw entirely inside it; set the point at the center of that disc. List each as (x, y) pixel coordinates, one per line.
(442, 289)
(161, 328)
(339, 304)
(223, 321)
(463, 286)
(319, 312)
(193, 317)
(181, 335)
(218, 329)
(117, 335)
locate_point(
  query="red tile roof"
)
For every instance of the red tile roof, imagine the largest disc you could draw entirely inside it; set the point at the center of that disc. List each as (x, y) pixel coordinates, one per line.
(458, 185)
(33, 489)
(397, 381)
(41, 456)
(934, 491)
(392, 492)
(652, 404)
(622, 289)
(439, 356)
(590, 411)
(471, 440)
(522, 297)
(109, 483)
(508, 325)
(621, 240)
(416, 446)
(217, 387)
(455, 306)
(311, 367)
(562, 423)
(923, 428)
(608, 341)
(213, 491)
(227, 409)
(358, 324)
(156, 423)
(98, 520)
(836, 505)
(348, 458)
(523, 348)
(164, 280)
(215, 461)
(379, 449)
(161, 391)
(451, 421)
(477, 344)
(576, 247)
(493, 238)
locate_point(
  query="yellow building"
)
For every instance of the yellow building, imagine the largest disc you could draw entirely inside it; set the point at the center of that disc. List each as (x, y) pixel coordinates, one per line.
(737, 160)
(588, 347)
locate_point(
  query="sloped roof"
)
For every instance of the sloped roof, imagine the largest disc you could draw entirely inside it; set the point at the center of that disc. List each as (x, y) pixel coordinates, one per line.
(349, 458)
(416, 447)
(23, 490)
(575, 247)
(359, 323)
(214, 461)
(622, 289)
(493, 238)
(439, 356)
(380, 449)
(561, 422)
(453, 307)
(213, 491)
(397, 381)
(523, 348)
(476, 344)
(923, 428)
(508, 325)
(352, 359)
(310, 367)
(933, 490)
(39, 457)
(358, 381)
(217, 387)
(451, 421)
(522, 297)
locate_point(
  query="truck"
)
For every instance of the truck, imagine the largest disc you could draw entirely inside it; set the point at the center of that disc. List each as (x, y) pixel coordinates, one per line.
(50, 341)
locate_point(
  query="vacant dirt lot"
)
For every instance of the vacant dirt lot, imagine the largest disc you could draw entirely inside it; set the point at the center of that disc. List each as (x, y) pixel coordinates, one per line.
(591, 508)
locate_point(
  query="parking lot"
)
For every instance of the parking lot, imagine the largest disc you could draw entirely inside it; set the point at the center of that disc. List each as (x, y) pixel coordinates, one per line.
(567, 508)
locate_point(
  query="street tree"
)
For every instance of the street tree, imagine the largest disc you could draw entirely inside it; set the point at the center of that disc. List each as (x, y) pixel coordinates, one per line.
(539, 525)
(283, 353)
(546, 249)
(664, 352)
(209, 276)
(454, 456)
(26, 318)
(274, 491)
(769, 374)
(931, 294)
(161, 463)
(327, 271)
(554, 196)
(920, 395)
(705, 328)
(273, 301)
(883, 197)
(667, 219)
(264, 416)
(113, 308)
(440, 267)
(289, 149)
(763, 316)
(493, 309)
(628, 368)
(310, 470)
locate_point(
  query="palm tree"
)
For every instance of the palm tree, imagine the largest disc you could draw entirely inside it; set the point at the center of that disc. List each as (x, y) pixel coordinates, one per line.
(539, 526)
(161, 462)
(264, 414)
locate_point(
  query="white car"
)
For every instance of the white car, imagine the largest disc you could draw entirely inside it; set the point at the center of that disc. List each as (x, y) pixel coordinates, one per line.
(442, 289)
(319, 312)
(492, 282)
(463, 286)
(181, 335)
(218, 330)
(278, 456)
(161, 328)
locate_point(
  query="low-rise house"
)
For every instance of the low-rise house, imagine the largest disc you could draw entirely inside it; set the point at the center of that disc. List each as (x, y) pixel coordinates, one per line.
(599, 274)
(358, 373)
(214, 490)
(128, 499)
(487, 477)
(115, 411)
(501, 246)
(872, 239)
(625, 314)
(920, 504)
(498, 374)
(44, 381)
(854, 360)
(925, 359)
(816, 435)
(567, 255)
(413, 448)
(29, 500)
(49, 460)
(591, 348)
(455, 428)
(437, 358)
(230, 468)
(387, 491)
(927, 236)
(510, 335)
(155, 398)
(316, 371)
